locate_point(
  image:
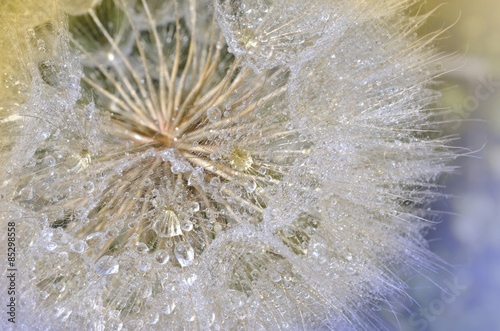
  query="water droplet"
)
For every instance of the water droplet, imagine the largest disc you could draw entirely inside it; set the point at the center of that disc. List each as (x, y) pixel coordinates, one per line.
(194, 206)
(215, 181)
(62, 314)
(153, 318)
(275, 277)
(110, 56)
(168, 155)
(240, 160)
(79, 246)
(167, 224)
(51, 246)
(187, 226)
(60, 287)
(214, 114)
(41, 45)
(288, 232)
(95, 240)
(114, 325)
(88, 186)
(350, 270)
(184, 253)
(47, 234)
(250, 185)
(162, 256)
(63, 257)
(196, 178)
(168, 308)
(158, 202)
(190, 279)
(144, 265)
(215, 155)
(31, 33)
(49, 161)
(26, 193)
(266, 52)
(107, 265)
(141, 247)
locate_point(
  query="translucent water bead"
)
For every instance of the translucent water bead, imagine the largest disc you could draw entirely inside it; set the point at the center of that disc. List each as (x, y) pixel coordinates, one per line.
(184, 253)
(107, 265)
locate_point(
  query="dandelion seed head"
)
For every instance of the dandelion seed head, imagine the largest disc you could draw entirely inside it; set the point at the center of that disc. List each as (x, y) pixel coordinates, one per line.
(189, 164)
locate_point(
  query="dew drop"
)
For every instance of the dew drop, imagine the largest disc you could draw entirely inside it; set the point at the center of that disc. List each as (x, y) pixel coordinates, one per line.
(95, 240)
(194, 206)
(63, 257)
(250, 185)
(288, 232)
(168, 308)
(215, 181)
(88, 186)
(196, 178)
(31, 33)
(187, 226)
(184, 253)
(275, 277)
(79, 212)
(26, 193)
(144, 265)
(162, 256)
(114, 325)
(51, 246)
(41, 45)
(350, 270)
(79, 246)
(153, 318)
(214, 114)
(240, 160)
(141, 247)
(167, 224)
(49, 161)
(107, 265)
(110, 56)
(167, 155)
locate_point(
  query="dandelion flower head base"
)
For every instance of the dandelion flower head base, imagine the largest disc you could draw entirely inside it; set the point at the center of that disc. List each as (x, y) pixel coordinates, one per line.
(218, 165)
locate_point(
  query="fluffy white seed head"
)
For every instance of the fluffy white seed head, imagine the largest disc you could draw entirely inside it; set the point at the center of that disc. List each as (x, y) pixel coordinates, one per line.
(235, 164)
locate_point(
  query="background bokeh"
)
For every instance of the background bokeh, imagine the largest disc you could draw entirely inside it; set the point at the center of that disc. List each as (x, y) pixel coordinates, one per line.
(467, 297)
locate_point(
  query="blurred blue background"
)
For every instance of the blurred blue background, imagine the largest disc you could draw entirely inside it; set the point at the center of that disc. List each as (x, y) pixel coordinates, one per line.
(468, 235)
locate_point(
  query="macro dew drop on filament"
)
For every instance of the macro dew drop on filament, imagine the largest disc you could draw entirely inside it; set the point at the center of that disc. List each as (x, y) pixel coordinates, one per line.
(216, 165)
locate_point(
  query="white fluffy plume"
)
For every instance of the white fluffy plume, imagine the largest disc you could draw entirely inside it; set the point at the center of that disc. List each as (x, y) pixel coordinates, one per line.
(235, 164)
